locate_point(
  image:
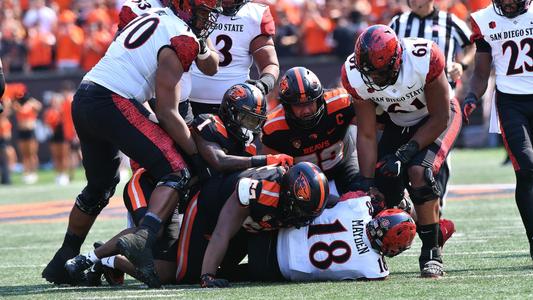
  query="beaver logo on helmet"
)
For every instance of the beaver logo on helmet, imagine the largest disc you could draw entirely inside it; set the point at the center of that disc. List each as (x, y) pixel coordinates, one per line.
(284, 85)
(237, 92)
(302, 189)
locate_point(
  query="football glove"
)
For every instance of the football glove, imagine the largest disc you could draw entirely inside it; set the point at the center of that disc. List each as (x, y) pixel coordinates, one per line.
(469, 105)
(209, 281)
(265, 84)
(391, 164)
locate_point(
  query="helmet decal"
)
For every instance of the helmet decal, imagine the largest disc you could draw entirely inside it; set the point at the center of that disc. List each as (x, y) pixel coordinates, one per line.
(284, 85)
(237, 92)
(302, 188)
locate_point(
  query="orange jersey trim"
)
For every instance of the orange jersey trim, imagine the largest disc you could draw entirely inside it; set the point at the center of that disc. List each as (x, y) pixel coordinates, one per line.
(275, 121)
(135, 192)
(220, 126)
(185, 238)
(337, 99)
(269, 193)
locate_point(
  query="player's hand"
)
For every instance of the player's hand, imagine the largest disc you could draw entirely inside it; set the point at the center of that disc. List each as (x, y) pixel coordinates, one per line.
(279, 159)
(259, 84)
(455, 71)
(209, 281)
(469, 105)
(389, 166)
(362, 184)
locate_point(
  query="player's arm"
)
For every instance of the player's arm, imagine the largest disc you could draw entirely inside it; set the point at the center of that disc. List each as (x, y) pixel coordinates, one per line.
(437, 96)
(207, 60)
(168, 75)
(229, 222)
(267, 150)
(366, 137)
(213, 154)
(264, 54)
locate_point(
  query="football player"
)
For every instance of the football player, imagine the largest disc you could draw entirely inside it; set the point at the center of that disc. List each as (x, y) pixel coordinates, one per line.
(207, 60)
(149, 56)
(244, 33)
(225, 141)
(311, 124)
(502, 33)
(406, 79)
(259, 199)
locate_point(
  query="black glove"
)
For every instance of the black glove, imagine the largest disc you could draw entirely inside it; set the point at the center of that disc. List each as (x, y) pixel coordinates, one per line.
(209, 281)
(391, 164)
(200, 167)
(469, 105)
(265, 84)
(362, 184)
(203, 46)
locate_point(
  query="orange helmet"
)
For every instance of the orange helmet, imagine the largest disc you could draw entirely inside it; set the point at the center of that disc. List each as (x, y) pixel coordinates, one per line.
(200, 15)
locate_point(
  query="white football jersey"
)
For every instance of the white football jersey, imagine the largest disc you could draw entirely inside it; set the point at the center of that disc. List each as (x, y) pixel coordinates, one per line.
(232, 38)
(131, 9)
(130, 63)
(404, 101)
(334, 247)
(511, 42)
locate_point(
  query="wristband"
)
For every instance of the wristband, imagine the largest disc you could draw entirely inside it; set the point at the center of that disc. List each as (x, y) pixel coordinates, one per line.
(258, 161)
(268, 80)
(205, 55)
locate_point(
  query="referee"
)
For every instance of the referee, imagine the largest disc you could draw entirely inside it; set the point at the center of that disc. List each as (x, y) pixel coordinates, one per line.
(449, 32)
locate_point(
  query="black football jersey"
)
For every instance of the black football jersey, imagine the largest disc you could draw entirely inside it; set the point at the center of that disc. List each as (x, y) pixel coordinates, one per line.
(327, 144)
(212, 129)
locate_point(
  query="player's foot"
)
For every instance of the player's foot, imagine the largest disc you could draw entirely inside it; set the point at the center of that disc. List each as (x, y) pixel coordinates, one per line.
(77, 266)
(431, 265)
(447, 228)
(136, 248)
(113, 277)
(55, 271)
(94, 275)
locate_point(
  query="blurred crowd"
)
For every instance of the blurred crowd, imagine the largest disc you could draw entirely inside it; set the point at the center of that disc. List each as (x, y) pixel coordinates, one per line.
(74, 34)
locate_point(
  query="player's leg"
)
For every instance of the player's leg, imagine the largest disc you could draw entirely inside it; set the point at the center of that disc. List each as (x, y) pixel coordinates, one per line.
(425, 192)
(100, 159)
(516, 119)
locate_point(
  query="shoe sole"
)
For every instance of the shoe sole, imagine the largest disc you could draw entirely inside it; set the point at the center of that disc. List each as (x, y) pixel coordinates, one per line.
(146, 272)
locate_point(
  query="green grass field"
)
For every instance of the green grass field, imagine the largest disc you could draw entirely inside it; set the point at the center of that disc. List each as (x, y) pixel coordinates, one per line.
(487, 258)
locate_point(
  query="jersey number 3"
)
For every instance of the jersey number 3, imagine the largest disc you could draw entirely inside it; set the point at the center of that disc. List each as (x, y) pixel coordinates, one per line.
(332, 250)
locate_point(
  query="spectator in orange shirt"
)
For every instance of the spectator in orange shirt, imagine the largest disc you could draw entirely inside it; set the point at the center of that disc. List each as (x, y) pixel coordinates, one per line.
(63, 4)
(95, 46)
(26, 109)
(72, 143)
(39, 45)
(315, 29)
(60, 154)
(70, 39)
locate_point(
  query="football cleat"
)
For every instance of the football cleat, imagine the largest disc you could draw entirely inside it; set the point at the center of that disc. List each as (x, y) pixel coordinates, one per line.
(134, 247)
(447, 228)
(431, 265)
(55, 270)
(77, 266)
(113, 277)
(94, 275)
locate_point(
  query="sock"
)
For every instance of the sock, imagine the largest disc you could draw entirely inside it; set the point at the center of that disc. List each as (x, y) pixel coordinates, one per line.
(73, 241)
(429, 235)
(152, 222)
(524, 200)
(109, 261)
(92, 257)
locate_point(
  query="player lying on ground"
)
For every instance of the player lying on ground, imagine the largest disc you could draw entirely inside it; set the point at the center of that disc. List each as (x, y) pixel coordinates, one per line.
(268, 198)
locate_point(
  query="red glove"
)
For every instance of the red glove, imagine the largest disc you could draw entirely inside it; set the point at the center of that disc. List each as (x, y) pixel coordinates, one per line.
(279, 159)
(469, 105)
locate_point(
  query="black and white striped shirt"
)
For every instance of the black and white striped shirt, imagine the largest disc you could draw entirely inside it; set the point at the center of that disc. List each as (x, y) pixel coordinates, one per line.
(444, 28)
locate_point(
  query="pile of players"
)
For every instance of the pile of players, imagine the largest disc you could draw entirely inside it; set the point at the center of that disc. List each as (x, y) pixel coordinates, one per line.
(201, 198)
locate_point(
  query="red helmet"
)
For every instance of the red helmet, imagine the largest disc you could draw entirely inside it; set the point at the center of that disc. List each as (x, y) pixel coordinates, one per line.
(378, 56)
(391, 232)
(511, 9)
(200, 15)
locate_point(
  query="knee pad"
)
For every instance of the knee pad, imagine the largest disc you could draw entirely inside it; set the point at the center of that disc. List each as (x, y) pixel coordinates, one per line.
(178, 181)
(93, 203)
(524, 174)
(427, 192)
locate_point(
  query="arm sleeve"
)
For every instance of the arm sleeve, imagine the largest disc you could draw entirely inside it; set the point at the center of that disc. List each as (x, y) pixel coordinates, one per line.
(477, 37)
(436, 63)
(125, 16)
(186, 48)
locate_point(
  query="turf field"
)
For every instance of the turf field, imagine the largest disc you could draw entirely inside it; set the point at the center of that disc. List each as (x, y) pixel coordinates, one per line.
(488, 257)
